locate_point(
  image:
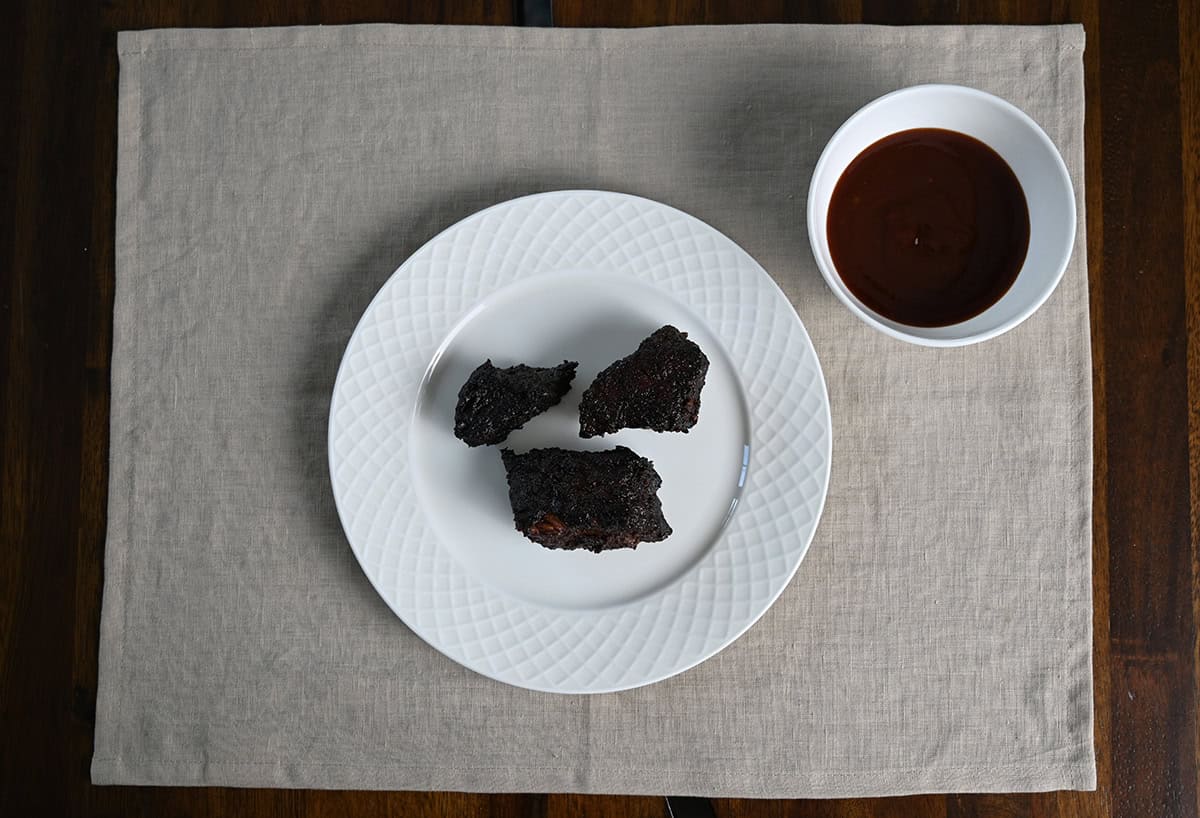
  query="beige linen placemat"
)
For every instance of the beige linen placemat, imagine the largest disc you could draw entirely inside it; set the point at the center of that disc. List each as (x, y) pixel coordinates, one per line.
(937, 636)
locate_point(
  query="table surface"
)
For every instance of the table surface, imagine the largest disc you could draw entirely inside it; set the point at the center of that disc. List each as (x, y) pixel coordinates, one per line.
(58, 148)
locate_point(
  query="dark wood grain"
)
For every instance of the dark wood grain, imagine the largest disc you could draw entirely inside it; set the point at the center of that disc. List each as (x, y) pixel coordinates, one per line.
(1151, 619)
(57, 157)
(1189, 128)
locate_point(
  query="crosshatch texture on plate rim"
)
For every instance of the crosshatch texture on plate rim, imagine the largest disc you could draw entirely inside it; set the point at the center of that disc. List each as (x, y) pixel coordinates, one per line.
(716, 599)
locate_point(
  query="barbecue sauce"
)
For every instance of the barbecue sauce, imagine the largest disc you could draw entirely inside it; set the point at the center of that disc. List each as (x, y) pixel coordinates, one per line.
(928, 227)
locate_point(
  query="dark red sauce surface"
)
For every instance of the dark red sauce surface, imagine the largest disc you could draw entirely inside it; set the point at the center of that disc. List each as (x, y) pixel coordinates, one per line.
(928, 227)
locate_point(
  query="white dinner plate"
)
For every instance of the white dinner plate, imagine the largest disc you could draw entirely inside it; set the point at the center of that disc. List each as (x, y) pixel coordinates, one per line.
(579, 275)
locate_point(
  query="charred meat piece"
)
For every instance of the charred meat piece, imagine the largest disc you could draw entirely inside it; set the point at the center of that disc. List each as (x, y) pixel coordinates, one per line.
(593, 500)
(494, 402)
(657, 387)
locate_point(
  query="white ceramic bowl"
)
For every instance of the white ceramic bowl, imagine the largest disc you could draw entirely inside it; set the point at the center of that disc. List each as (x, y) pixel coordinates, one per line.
(1024, 146)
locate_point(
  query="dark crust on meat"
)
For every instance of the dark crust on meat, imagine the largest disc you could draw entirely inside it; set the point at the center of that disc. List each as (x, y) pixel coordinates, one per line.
(494, 402)
(657, 387)
(591, 500)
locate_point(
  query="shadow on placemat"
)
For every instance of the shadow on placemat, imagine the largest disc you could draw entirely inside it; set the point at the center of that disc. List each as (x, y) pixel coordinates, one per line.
(350, 288)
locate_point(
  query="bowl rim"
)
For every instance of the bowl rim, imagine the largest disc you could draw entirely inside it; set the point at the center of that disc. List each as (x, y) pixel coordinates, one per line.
(839, 288)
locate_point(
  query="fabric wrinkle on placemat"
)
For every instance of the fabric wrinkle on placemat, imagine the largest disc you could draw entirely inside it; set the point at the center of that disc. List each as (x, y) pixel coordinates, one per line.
(937, 637)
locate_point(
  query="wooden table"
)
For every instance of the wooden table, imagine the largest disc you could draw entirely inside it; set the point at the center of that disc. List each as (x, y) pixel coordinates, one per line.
(58, 88)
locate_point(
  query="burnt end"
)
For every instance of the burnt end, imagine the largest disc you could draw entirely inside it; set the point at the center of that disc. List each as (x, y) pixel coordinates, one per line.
(657, 387)
(591, 500)
(494, 402)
